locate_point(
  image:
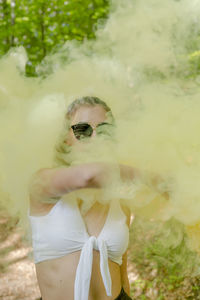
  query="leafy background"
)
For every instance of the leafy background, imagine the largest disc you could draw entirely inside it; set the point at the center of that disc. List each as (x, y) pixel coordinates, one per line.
(41, 26)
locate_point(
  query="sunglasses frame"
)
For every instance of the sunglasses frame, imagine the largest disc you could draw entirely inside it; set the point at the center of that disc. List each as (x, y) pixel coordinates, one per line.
(73, 127)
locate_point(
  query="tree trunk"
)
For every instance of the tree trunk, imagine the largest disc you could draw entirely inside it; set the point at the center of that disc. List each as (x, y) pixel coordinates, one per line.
(6, 17)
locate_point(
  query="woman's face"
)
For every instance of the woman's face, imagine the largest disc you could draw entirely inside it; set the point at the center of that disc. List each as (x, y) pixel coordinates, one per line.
(93, 115)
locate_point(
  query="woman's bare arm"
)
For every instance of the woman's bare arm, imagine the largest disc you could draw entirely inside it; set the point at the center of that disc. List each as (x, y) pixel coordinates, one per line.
(51, 183)
(47, 184)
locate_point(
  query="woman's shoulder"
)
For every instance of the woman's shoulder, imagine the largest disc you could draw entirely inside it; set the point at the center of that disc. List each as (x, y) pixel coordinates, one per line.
(39, 205)
(40, 209)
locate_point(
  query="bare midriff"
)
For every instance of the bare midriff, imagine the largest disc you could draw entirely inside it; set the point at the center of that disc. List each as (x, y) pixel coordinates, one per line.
(56, 278)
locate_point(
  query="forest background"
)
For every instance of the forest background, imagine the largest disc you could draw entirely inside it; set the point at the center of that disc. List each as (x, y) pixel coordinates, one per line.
(42, 27)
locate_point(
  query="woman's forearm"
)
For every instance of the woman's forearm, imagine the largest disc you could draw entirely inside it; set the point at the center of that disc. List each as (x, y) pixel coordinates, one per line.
(51, 183)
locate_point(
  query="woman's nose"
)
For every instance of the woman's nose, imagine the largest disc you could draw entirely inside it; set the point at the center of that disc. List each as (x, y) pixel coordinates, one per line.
(94, 133)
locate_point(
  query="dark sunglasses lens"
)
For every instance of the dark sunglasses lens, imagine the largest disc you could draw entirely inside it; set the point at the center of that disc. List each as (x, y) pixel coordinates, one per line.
(83, 130)
(105, 129)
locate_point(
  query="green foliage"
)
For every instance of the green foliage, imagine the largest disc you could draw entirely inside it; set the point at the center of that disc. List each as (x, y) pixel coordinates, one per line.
(41, 25)
(167, 268)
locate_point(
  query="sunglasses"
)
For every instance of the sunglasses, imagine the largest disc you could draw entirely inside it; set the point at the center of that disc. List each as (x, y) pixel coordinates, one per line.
(84, 130)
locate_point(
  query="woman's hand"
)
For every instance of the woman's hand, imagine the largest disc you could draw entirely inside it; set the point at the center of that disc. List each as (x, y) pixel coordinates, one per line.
(105, 173)
(128, 173)
(161, 184)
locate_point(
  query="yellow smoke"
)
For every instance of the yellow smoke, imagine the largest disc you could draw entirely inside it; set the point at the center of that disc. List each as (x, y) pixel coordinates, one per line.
(129, 66)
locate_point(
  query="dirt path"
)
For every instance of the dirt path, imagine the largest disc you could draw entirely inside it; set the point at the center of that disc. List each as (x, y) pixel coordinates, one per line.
(17, 271)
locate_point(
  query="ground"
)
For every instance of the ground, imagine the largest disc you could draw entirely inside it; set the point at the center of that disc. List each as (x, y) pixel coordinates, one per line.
(17, 272)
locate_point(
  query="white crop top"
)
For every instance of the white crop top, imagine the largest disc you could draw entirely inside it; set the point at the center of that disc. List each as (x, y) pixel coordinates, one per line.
(63, 231)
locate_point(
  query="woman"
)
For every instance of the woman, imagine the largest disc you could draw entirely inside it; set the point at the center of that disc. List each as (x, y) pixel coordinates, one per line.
(80, 256)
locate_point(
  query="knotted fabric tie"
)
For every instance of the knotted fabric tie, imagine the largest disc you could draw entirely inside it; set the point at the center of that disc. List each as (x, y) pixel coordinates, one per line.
(84, 269)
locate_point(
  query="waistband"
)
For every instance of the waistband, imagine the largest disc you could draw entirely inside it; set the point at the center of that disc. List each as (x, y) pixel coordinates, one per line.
(123, 296)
